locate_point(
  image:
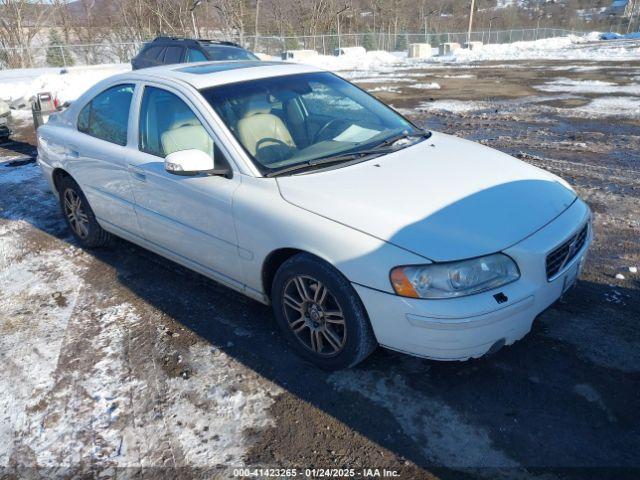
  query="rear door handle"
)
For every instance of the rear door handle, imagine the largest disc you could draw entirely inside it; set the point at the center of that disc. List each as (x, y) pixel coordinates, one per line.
(137, 173)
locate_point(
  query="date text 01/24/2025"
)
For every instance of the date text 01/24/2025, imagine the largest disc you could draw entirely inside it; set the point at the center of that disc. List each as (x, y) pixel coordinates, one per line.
(315, 473)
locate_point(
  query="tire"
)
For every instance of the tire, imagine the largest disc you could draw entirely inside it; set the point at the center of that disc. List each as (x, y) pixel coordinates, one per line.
(79, 216)
(333, 329)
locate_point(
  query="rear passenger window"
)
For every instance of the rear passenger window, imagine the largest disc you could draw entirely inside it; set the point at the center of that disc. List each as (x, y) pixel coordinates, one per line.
(173, 55)
(107, 115)
(153, 52)
(194, 55)
(83, 118)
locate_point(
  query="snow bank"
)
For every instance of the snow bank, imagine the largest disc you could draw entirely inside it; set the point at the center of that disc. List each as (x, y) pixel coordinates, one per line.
(353, 61)
(67, 86)
(559, 48)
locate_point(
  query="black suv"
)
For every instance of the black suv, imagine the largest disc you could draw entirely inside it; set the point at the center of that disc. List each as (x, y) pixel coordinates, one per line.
(167, 50)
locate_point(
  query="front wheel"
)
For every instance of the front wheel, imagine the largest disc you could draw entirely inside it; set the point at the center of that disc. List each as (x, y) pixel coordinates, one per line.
(320, 313)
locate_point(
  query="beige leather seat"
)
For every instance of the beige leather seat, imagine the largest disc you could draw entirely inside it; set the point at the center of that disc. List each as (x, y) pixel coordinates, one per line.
(185, 135)
(263, 134)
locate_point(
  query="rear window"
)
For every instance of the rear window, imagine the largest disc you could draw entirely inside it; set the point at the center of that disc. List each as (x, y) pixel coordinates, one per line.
(222, 52)
(152, 52)
(173, 55)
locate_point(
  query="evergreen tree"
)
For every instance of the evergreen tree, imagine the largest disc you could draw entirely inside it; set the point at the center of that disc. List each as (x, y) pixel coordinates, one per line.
(368, 42)
(401, 42)
(58, 55)
(292, 43)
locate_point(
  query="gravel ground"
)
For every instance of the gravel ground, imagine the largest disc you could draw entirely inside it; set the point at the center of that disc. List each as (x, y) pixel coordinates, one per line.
(118, 362)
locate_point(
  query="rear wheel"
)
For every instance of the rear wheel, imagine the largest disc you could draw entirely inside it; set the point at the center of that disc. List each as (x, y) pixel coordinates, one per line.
(320, 313)
(80, 217)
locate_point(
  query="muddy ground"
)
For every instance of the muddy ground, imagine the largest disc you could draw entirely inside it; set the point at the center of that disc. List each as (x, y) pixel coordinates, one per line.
(118, 362)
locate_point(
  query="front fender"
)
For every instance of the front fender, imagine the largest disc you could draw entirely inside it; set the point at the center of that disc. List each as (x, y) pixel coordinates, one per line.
(265, 222)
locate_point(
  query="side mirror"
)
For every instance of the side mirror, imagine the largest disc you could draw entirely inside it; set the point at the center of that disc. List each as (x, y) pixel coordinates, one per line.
(192, 162)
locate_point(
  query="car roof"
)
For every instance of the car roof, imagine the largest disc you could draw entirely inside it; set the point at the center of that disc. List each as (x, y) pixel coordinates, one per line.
(210, 74)
(192, 42)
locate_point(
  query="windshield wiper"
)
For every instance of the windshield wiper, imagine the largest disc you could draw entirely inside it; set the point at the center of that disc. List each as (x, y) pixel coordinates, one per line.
(323, 161)
(347, 157)
(405, 134)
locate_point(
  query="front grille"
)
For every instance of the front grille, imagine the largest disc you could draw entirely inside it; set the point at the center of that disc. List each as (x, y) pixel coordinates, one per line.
(566, 252)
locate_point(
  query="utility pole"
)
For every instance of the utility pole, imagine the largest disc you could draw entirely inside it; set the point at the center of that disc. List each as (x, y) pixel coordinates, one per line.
(491, 20)
(473, 3)
(338, 25)
(426, 19)
(538, 25)
(255, 30)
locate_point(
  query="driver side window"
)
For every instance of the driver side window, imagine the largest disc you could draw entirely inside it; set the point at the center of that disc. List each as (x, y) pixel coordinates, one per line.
(168, 125)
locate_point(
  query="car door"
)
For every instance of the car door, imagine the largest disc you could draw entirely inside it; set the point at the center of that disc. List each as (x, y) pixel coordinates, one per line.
(96, 156)
(189, 217)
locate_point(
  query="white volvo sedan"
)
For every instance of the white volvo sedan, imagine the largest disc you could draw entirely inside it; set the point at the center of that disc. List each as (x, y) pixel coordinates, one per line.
(298, 189)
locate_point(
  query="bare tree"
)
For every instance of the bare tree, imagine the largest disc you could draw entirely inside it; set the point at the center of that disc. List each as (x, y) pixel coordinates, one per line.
(232, 15)
(20, 22)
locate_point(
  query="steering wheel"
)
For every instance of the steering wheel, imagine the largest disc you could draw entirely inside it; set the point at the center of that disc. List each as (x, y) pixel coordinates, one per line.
(274, 142)
(320, 134)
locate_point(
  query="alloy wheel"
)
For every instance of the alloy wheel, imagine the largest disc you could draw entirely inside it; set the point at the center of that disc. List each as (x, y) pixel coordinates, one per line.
(73, 209)
(314, 315)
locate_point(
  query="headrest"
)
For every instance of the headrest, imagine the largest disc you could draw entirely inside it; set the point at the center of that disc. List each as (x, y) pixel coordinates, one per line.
(187, 122)
(257, 104)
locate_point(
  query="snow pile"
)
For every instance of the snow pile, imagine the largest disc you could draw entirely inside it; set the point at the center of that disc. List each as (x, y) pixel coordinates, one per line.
(587, 86)
(558, 48)
(369, 61)
(383, 89)
(452, 106)
(67, 86)
(357, 78)
(463, 76)
(426, 86)
(609, 107)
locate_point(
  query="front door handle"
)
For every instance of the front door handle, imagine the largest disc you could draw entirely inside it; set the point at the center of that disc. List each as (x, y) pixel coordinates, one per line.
(137, 173)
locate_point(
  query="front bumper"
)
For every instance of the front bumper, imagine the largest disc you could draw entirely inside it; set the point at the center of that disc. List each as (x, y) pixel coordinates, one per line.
(468, 327)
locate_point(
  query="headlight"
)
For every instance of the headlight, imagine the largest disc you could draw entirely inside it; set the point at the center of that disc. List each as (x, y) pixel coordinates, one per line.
(455, 279)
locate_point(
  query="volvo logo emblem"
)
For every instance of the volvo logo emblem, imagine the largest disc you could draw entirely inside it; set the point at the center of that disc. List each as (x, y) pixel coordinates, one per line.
(573, 249)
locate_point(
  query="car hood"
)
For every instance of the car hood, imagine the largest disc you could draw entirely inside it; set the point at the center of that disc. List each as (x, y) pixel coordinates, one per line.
(444, 198)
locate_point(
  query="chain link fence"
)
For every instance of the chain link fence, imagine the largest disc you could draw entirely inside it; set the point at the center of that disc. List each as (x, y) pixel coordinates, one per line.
(68, 55)
(326, 44)
(101, 53)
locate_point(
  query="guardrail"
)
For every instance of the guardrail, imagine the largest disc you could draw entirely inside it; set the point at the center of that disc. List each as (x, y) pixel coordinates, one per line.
(110, 52)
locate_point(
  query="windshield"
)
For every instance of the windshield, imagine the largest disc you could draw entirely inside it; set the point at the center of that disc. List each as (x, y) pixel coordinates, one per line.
(287, 120)
(220, 52)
